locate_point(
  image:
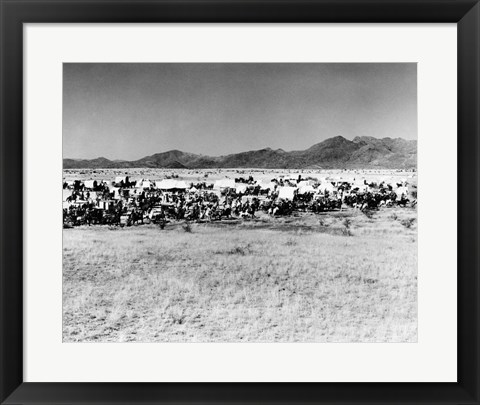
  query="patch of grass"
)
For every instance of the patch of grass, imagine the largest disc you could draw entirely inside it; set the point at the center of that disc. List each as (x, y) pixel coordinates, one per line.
(344, 214)
(347, 223)
(291, 242)
(322, 222)
(238, 251)
(408, 223)
(369, 213)
(232, 283)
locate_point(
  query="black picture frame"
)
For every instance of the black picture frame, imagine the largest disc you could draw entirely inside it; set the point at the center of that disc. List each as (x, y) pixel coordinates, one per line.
(14, 13)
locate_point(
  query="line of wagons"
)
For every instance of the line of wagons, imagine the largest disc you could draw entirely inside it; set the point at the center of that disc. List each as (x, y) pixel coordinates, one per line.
(126, 215)
(92, 215)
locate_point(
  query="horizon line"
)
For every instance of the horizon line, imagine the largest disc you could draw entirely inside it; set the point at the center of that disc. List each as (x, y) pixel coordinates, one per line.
(235, 153)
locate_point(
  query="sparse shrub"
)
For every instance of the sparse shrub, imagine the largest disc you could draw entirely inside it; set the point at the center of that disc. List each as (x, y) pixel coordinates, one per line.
(346, 232)
(347, 223)
(238, 251)
(343, 215)
(291, 242)
(187, 227)
(414, 194)
(368, 213)
(407, 223)
(176, 316)
(322, 222)
(394, 216)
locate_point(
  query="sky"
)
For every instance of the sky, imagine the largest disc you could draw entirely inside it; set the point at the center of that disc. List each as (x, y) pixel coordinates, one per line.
(128, 111)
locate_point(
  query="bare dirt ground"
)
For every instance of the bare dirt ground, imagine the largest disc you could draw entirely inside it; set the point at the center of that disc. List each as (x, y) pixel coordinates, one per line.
(336, 277)
(210, 175)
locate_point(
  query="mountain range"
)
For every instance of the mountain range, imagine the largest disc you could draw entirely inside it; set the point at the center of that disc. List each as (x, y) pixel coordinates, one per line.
(363, 152)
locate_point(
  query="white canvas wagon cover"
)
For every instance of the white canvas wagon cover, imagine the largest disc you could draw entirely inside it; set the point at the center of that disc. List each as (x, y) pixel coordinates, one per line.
(401, 191)
(267, 185)
(286, 193)
(66, 194)
(119, 179)
(224, 183)
(89, 183)
(181, 185)
(306, 189)
(145, 183)
(327, 186)
(169, 184)
(241, 188)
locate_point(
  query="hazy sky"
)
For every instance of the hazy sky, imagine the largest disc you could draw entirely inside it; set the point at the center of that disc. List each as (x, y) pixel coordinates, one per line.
(128, 111)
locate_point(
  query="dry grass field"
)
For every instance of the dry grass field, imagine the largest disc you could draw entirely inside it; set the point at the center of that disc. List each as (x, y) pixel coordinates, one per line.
(338, 277)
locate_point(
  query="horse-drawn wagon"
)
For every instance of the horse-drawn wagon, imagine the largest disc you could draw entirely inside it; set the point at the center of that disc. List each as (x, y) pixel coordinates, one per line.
(130, 217)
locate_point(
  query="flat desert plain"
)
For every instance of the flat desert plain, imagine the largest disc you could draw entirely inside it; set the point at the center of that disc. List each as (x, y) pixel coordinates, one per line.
(340, 276)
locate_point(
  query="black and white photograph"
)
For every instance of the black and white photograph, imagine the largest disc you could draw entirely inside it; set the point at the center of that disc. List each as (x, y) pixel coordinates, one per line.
(239, 202)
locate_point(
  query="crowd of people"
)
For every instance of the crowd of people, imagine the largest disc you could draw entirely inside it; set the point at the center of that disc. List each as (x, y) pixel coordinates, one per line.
(124, 203)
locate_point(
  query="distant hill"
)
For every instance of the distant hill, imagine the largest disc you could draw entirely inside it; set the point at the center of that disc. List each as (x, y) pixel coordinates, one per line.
(363, 152)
